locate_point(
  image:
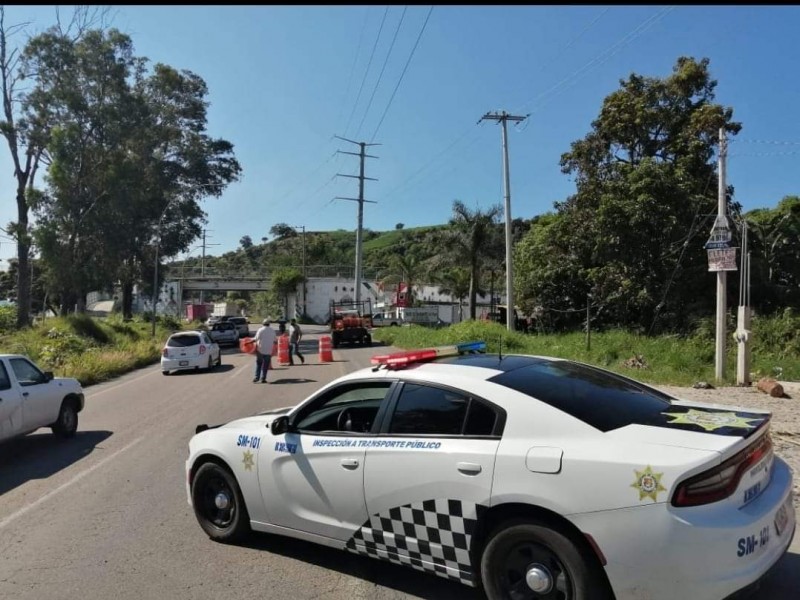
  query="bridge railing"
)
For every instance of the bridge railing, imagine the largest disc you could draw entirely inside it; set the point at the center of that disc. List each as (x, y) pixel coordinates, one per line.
(174, 272)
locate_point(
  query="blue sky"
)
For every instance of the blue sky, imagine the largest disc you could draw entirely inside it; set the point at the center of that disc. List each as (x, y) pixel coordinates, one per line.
(284, 80)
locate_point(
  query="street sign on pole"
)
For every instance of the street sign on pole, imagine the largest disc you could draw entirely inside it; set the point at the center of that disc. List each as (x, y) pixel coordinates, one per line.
(722, 259)
(720, 234)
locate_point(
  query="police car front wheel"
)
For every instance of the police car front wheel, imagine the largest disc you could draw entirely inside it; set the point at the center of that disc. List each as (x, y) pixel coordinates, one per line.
(218, 504)
(532, 561)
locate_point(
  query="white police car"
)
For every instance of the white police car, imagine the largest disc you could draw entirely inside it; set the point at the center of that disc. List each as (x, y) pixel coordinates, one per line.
(537, 477)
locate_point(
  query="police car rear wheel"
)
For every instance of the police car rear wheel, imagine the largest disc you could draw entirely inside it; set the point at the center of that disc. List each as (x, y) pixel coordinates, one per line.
(218, 504)
(532, 561)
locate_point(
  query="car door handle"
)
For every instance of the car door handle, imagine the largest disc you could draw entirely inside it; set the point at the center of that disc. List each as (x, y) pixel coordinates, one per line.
(25, 393)
(469, 468)
(350, 463)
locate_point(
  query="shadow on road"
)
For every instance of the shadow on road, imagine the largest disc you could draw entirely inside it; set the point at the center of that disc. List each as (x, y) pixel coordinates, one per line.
(39, 456)
(292, 380)
(396, 577)
(783, 581)
(223, 368)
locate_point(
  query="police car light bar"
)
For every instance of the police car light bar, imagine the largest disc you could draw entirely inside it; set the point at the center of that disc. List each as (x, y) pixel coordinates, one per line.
(402, 359)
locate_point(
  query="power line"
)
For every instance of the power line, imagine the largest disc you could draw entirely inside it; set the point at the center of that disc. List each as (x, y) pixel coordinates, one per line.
(773, 142)
(383, 68)
(429, 164)
(571, 43)
(353, 66)
(366, 72)
(790, 153)
(399, 81)
(601, 58)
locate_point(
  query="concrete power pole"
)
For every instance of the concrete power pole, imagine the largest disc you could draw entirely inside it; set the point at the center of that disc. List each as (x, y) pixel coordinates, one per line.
(303, 227)
(503, 118)
(203, 262)
(722, 210)
(363, 155)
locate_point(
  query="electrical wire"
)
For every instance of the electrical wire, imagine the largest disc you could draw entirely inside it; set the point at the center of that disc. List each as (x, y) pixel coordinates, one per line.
(366, 72)
(383, 68)
(598, 60)
(353, 66)
(430, 164)
(405, 68)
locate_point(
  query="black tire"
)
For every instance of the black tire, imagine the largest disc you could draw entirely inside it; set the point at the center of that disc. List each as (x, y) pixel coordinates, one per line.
(67, 423)
(210, 364)
(226, 525)
(515, 547)
(219, 359)
(165, 373)
(368, 340)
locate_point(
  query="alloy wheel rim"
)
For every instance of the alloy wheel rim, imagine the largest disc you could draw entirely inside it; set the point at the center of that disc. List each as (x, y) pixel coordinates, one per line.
(531, 571)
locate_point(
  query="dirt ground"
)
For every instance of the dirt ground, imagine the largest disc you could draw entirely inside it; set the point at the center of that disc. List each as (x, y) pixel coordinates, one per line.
(785, 425)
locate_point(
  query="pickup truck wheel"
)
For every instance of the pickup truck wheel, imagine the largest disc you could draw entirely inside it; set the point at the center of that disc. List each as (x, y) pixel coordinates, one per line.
(67, 423)
(368, 340)
(219, 505)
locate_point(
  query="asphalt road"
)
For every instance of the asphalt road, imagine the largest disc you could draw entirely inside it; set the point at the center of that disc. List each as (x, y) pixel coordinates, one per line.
(104, 515)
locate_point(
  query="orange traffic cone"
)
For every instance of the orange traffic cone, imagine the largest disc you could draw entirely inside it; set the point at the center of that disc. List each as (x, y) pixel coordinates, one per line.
(283, 349)
(325, 351)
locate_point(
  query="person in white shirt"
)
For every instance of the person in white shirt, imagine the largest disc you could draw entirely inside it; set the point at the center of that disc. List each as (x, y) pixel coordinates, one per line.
(265, 338)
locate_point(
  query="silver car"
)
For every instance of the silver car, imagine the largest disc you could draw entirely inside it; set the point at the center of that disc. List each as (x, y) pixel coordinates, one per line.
(224, 333)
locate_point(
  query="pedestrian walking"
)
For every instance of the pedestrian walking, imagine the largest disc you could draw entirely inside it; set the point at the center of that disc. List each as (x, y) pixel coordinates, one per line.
(295, 335)
(265, 339)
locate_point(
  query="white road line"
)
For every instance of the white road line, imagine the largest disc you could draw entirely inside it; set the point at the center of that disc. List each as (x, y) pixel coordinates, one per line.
(239, 370)
(65, 485)
(89, 394)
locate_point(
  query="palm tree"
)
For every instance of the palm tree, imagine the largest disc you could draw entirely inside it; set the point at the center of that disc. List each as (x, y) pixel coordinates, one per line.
(406, 268)
(455, 281)
(473, 237)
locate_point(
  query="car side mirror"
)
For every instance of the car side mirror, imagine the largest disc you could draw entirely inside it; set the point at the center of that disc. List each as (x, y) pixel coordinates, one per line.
(48, 376)
(279, 425)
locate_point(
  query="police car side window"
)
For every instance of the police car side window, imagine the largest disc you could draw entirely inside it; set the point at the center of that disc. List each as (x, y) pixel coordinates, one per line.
(424, 409)
(361, 403)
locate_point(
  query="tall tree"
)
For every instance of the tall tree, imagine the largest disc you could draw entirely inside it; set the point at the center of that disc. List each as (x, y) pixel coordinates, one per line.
(633, 233)
(131, 159)
(775, 241)
(27, 139)
(455, 281)
(473, 236)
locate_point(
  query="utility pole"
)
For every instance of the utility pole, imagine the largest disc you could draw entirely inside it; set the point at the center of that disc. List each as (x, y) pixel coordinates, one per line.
(203, 261)
(303, 227)
(722, 210)
(362, 154)
(743, 333)
(503, 117)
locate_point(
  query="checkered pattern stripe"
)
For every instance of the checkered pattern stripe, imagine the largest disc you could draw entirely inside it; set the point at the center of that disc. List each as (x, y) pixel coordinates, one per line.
(432, 536)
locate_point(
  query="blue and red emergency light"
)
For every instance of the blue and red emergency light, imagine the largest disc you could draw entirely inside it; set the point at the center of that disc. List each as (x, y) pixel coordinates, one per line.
(402, 359)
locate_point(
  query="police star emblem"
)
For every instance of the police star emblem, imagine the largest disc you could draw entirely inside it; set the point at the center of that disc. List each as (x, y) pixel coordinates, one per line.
(247, 461)
(648, 483)
(711, 420)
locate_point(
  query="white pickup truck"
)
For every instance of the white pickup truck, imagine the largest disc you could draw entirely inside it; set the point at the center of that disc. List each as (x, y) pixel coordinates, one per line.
(31, 398)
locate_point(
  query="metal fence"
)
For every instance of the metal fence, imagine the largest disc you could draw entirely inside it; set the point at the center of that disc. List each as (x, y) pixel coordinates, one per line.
(195, 272)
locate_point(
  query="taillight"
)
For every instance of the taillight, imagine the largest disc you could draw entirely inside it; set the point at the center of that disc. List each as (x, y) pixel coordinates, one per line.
(165, 352)
(202, 349)
(721, 481)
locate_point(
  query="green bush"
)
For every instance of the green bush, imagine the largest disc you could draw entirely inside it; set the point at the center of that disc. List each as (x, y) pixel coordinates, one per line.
(8, 318)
